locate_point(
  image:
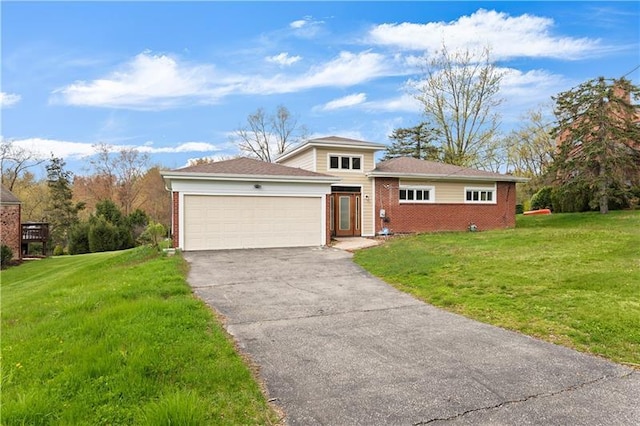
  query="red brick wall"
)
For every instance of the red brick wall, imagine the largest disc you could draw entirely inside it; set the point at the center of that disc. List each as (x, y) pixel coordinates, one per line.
(175, 220)
(328, 219)
(409, 218)
(11, 229)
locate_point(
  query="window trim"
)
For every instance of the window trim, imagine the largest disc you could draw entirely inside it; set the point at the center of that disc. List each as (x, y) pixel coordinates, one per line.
(345, 155)
(431, 189)
(480, 190)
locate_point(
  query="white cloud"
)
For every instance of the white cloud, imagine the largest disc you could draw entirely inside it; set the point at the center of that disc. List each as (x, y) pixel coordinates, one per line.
(155, 82)
(508, 37)
(344, 102)
(283, 59)
(9, 99)
(348, 69)
(44, 148)
(147, 82)
(402, 103)
(298, 24)
(306, 27)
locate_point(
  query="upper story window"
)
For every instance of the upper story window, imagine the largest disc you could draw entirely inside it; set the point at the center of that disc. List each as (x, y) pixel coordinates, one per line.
(418, 194)
(480, 195)
(345, 162)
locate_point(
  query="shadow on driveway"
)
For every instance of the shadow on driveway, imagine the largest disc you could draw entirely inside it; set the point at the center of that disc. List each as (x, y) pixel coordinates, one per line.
(336, 346)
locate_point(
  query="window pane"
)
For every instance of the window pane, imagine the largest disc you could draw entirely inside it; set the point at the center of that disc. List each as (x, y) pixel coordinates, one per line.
(483, 195)
(403, 194)
(419, 195)
(426, 195)
(345, 162)
(469, 195)
(475, 195)
(355, 162)
(345, 214)
(333, 162)
(489, 196)
(409, 194)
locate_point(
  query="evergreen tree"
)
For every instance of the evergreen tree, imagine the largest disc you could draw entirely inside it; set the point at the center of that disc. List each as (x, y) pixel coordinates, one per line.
(61, 212)
(413, 142)
(598, 137)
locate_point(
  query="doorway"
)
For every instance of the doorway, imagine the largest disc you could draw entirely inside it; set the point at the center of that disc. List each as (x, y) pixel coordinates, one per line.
(345, 213)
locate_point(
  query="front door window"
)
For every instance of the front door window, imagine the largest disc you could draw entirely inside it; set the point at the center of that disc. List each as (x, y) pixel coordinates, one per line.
(345, 213)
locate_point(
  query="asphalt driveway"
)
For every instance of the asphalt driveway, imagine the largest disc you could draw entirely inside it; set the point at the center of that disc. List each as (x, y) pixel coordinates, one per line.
(336, 346)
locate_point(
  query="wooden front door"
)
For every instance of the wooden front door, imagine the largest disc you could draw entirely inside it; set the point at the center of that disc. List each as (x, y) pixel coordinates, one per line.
(346, 214)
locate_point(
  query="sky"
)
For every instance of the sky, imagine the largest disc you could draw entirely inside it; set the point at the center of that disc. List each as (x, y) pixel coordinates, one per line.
(176, 79)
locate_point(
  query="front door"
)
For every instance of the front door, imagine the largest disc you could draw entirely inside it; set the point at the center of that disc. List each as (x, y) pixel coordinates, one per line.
(346, 214)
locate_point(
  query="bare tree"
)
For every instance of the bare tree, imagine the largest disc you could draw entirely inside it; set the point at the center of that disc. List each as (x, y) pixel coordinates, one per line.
(265, 136)
(530, 147)
(124, 167)
(459, 94)
(14, 161)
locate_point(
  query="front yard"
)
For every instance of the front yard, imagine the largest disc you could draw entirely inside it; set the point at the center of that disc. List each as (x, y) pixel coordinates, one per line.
(118, 338)
(571, 279)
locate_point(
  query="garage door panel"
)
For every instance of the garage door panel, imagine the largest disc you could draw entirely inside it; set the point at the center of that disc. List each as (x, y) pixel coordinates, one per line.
(227, 222)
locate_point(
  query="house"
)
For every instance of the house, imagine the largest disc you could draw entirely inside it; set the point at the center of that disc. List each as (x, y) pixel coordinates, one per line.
(329, 187)
(10, 226)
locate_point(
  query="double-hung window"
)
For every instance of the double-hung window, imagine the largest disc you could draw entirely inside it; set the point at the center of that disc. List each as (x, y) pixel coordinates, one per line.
(416, 194)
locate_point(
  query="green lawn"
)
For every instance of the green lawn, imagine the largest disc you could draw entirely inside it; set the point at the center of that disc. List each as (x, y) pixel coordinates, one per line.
(117, 338)
(571, 279)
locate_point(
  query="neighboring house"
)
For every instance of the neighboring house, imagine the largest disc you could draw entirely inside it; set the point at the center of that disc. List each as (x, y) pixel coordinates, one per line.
(330, 187)
(10, 226)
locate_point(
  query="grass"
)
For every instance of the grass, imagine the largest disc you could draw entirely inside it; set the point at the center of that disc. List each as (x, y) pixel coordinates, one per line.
(118, 338)
(571, 279)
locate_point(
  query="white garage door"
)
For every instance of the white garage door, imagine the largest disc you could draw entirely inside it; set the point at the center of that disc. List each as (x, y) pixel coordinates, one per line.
(231, 222)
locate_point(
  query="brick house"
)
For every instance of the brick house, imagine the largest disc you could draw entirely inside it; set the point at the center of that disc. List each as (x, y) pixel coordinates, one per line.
(10, 222)
(330, 187)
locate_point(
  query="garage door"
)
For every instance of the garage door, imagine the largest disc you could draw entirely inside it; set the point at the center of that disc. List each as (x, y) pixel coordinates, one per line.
(231, 222)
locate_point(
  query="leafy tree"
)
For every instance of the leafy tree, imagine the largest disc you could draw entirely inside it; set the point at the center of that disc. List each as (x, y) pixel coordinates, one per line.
(61, 212)
(459, 95)
(413, 142)
(599, 143)
(265, 136)
(154, 199)
(79, 238)
(124, 168)
(103, 236)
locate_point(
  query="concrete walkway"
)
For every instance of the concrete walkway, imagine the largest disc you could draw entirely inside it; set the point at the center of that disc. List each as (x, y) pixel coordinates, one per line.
(336, 346)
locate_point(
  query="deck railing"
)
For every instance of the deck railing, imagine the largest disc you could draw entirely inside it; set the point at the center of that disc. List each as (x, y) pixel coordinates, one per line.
(35, 231)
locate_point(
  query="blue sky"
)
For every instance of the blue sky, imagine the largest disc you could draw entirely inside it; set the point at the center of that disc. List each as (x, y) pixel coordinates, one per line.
(176, 79)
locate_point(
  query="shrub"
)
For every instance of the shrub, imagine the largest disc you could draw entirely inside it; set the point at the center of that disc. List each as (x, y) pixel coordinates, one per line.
(58, 250)
(79, 239)
(6, 254)
(519, 209)
(153, 234)
(542, 199)
(103, 236)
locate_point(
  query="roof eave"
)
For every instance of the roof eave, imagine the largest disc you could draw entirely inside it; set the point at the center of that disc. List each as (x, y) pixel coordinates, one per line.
(172, 175)
(371, 146)
(449, 177)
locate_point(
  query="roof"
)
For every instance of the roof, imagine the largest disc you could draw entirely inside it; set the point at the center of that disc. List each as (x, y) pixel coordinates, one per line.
(246, 169)
(410, 167)
(334, 142)
(7, 197)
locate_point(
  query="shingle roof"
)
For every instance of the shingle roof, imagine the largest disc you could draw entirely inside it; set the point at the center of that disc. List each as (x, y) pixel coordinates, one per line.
(409, 166)
(248, 166)
(7, 197)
